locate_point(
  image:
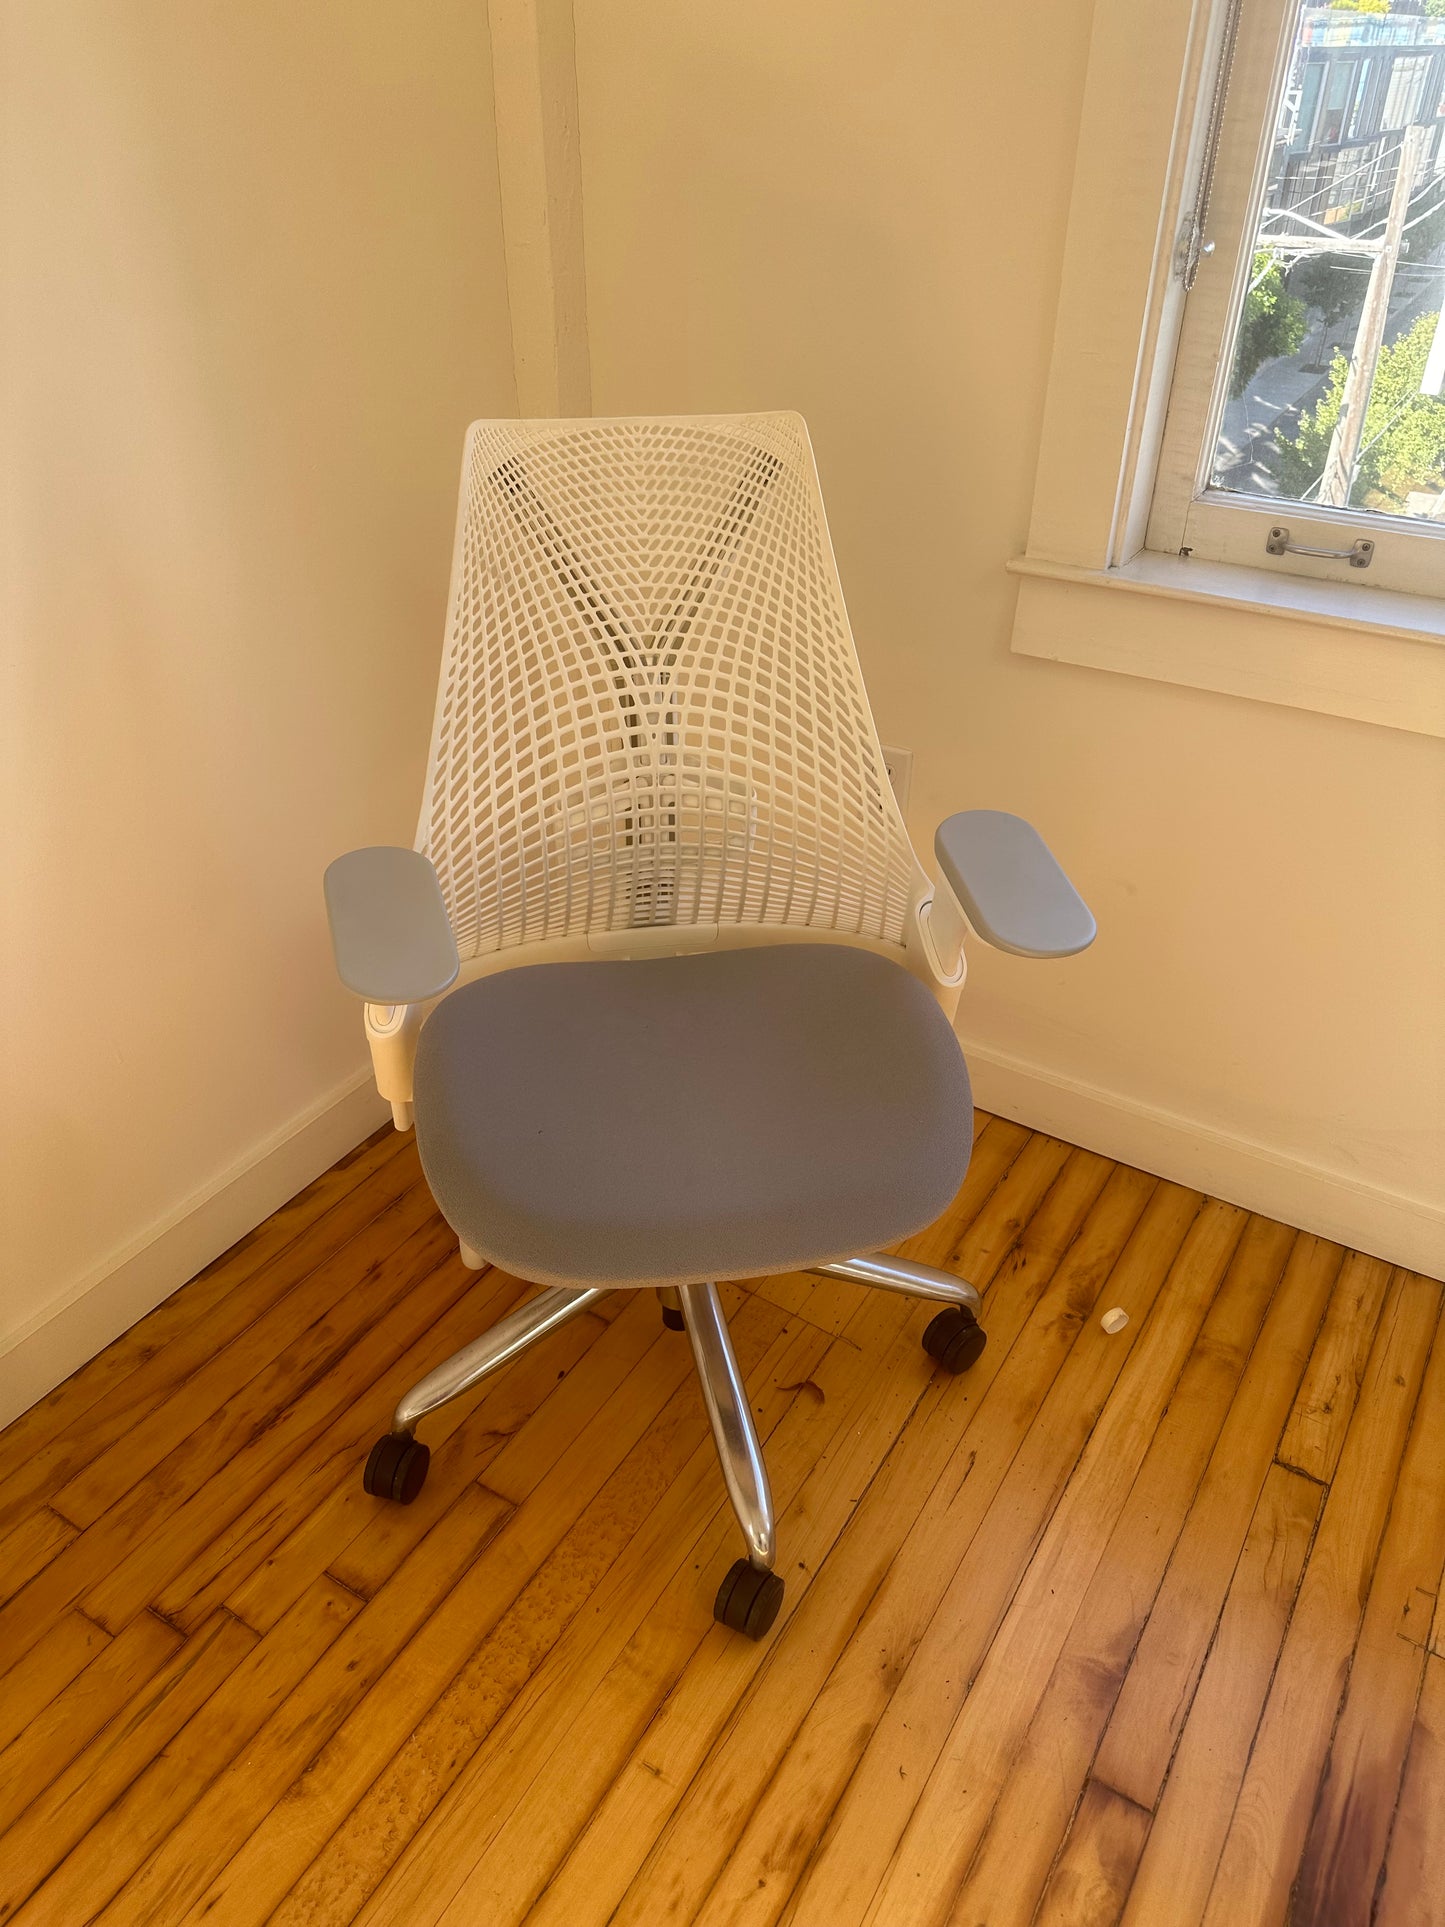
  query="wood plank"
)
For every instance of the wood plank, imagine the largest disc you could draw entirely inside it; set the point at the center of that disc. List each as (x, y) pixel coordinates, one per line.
(30, 1547)
(1345, 1848)
(296, 1490)
(116, 1674)
(362, 1542)
(530, 1418)
(943, 1593)
(1415, 1867)
(62, 1815)
(155, 1801)
(546, 1770)
(548, 1433)
(582, 1528)
(1145, 1724)
(826, 1303)
(1009, 1869)
(387, 1752)
(252, 1436)
(1267, 1833)
(270, 1357)
(979, 1248)
(1091, 1879)
(1193, 1815)
(164, 1887)
(66, 1650)
(1321, 1414)
(965, 1772)
(44, 1447)
(885, 1577)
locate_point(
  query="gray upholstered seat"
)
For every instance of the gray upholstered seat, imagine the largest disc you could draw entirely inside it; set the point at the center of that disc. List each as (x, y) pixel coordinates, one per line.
(689, 1118)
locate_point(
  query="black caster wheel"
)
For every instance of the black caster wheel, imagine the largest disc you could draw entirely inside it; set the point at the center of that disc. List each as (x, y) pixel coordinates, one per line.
(397, 1468)
(954, 1339)
(674, 1320)
(748, 1600)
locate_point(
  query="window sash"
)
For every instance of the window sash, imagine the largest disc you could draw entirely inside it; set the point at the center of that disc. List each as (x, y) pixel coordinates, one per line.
(1186, 515)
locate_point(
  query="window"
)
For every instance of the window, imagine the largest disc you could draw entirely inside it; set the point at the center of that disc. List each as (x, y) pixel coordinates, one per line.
(1136, 561)
(1307, 408)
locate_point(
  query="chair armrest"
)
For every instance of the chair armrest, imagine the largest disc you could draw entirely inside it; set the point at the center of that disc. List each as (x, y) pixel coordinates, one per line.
(1009, 886)
(389, 927)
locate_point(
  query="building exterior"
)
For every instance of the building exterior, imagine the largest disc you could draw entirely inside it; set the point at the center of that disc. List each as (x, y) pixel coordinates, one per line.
(1358, 81)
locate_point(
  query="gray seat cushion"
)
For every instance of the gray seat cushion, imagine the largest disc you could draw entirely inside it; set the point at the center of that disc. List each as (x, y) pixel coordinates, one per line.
(686, 1118)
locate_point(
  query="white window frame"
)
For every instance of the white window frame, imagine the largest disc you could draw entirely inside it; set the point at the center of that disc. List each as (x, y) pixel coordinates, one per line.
(1297, 635)
(1186, 515)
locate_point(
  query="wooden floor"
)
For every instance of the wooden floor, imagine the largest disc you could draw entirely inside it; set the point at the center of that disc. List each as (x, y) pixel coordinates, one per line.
(1143, 1628)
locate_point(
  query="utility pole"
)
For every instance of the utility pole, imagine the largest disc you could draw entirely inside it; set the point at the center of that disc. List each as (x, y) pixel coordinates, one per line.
(1339, 476)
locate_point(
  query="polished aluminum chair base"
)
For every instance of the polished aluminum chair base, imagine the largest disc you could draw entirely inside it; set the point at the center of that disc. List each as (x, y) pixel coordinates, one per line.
(398, 1462)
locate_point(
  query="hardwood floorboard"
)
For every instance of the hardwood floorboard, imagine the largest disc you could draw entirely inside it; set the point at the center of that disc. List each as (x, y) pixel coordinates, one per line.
(1315, 1433)
(940, 1605)
(582, 1595)
(548, 1772)
(118, 1671)
(1132, 1631)
(263, 1364)
(1415, 1869)
(166, 1886)
(966, 1772)
(157, 1799)
(45, 1447)
(1154, 1700)
(30, 1546)
(1095, 1869)
(1206, 1771)
(1267, 1833)
(65, 1651)
(439, 1316)
(1011, 1865)
(59, 1818)
(1345, 1849)
(665, 1696)
(721, 1797)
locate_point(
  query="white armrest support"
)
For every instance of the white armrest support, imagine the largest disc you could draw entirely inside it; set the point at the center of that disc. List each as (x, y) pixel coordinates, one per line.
(390, 933)
(1009, 887)
(391, 1032)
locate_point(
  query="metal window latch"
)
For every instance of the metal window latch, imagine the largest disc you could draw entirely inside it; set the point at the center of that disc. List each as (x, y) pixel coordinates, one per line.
(1359, 554)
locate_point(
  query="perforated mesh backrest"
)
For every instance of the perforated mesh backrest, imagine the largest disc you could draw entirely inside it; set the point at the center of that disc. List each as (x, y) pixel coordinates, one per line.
(651, 710)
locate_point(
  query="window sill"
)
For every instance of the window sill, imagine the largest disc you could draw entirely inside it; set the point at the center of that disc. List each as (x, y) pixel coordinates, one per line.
(1373, 655)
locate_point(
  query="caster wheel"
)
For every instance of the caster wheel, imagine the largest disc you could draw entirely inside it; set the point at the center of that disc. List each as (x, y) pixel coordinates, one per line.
(397, 1468)
(748, 1600)
(674, 1320)
(954, 1339)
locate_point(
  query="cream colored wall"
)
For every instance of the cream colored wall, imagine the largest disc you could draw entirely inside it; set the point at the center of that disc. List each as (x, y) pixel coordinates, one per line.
(254, 292)
(857, 209)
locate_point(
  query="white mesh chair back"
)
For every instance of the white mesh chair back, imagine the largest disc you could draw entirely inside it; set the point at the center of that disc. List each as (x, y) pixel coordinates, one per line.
(651, 710)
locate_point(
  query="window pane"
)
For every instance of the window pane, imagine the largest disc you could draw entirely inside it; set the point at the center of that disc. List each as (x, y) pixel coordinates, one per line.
(1337, 374)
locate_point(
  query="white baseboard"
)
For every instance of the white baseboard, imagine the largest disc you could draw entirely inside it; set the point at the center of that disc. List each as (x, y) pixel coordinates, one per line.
(1387, 1224)
(91, 1311)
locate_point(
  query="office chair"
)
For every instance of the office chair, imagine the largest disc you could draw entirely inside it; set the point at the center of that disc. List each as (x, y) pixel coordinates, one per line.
(662, 985)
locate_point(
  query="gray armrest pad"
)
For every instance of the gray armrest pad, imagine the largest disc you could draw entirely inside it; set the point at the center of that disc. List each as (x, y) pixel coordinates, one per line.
(389, 926)
(1009, 886)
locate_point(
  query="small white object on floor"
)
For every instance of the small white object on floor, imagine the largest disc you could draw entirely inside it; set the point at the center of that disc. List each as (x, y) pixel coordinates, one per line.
(1115, 1320)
